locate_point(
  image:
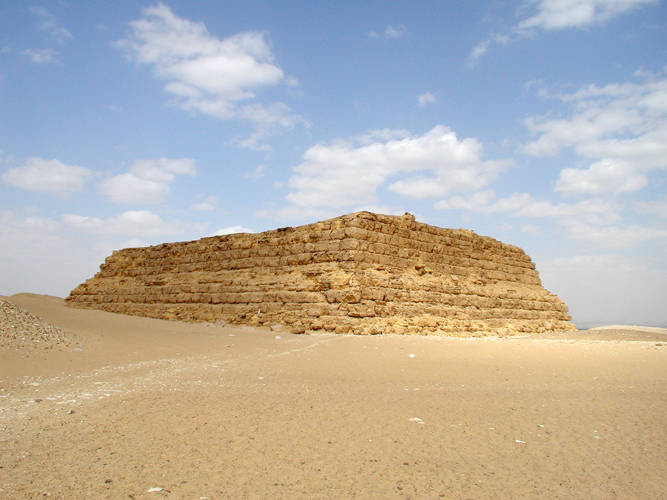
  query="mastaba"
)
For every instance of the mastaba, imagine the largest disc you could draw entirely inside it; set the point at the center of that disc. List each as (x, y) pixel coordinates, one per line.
(360, 273)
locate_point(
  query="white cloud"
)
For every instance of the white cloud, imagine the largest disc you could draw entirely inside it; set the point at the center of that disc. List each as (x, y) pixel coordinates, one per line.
(658, 208)
(208, 204)
(483, 47)
(593, 211)
(530, 228)
(563, 14)
(426, 98)
(394, 31)
(553, 15)
(346, 174)
(41, 56)
(620, 128)
(130, 223)
(267, 120)
(48, 176)
(613, 236)
(476, 202)
(257, 173)
(297, 214)
(49, 24)
(148, 181)
(131, 188)
(592, 220)
(209, 75)
(480, 49)
(418, 187)
(389, 32)
(606, 175)
(232, 230)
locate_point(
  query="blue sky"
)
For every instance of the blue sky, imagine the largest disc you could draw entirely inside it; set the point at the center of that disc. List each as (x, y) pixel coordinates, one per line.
(539, 123)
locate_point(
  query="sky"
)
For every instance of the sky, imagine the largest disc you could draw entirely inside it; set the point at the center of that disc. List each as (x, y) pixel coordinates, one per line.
(541, 123)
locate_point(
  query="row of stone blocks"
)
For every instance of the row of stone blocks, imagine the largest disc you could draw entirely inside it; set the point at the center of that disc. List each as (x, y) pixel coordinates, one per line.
(360, 273)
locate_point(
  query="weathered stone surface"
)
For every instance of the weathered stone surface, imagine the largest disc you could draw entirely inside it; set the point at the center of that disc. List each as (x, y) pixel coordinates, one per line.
(360, 273)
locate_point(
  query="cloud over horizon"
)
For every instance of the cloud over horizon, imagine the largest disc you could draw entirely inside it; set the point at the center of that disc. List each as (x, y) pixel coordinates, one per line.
(349, 173)
(147, 181)
(47, 176)
(129, 223)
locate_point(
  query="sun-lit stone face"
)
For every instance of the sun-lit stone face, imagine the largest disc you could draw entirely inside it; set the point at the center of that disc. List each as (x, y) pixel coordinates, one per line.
(361, 273)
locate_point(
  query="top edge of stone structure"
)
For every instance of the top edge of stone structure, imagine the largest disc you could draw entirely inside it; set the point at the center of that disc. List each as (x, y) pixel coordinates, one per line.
(406, 220)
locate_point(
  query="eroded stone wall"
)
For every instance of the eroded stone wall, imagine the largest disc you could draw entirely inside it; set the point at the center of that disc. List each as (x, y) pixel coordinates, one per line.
(359, 273)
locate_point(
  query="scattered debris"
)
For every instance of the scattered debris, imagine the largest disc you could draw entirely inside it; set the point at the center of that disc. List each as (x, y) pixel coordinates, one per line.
(20, 329)
(417, 420)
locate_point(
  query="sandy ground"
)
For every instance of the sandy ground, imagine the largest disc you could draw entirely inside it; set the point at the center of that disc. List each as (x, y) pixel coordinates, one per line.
(197, 411)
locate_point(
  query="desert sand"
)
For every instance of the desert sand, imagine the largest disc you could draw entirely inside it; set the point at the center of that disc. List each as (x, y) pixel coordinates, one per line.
(116, 406)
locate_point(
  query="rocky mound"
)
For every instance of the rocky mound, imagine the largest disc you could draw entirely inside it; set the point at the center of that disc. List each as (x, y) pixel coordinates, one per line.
(20, 329)
(359, 273)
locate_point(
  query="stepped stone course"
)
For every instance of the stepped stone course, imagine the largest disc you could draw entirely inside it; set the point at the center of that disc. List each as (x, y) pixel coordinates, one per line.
(360, 273)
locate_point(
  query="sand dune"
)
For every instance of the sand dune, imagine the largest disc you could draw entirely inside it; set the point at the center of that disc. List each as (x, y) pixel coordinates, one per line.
(139, 408)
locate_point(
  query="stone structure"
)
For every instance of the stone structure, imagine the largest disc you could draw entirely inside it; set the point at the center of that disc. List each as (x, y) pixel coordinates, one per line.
(359, 273)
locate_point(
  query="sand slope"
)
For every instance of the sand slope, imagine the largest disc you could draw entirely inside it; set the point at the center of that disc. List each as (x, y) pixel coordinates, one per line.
(215, 412)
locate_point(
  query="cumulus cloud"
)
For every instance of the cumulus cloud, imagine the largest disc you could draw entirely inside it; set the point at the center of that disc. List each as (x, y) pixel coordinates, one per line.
(208, 75)
(148, 181)
(607, 175)
(232, 230)
(426, 98)
(562, 14)
(47, 176)
(349, 173)
(130, 223)
(620, 128)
